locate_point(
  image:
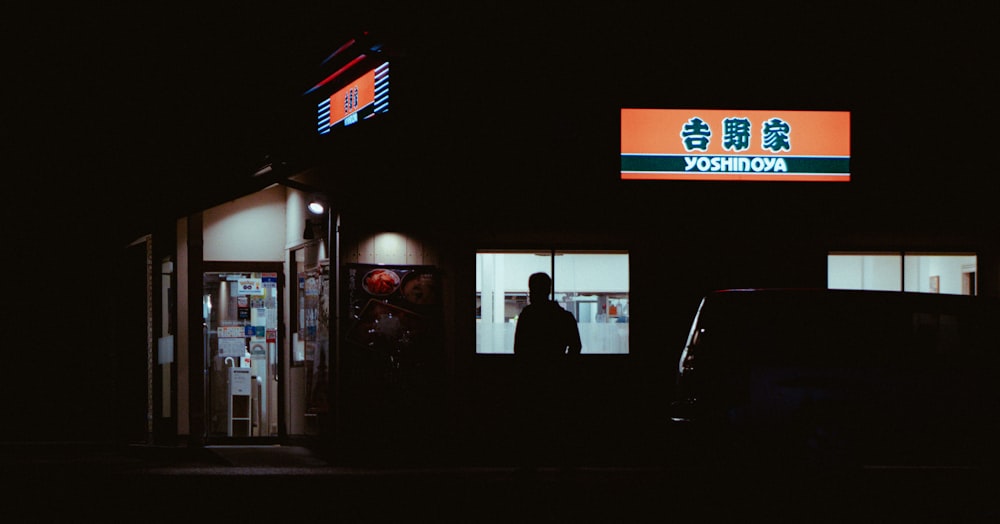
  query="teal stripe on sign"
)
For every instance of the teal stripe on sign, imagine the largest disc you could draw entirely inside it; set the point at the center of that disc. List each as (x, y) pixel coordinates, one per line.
(655, 163)
(675, 163)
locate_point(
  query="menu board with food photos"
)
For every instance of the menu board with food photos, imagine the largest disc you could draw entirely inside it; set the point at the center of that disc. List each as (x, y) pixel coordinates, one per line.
(392, 361)
(391, 307)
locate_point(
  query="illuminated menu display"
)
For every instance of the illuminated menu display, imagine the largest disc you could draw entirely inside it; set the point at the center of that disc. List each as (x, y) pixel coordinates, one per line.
(693, 144)
(360, 99)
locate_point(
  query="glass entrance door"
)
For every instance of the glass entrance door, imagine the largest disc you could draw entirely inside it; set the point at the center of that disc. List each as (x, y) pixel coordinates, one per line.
(241, 311)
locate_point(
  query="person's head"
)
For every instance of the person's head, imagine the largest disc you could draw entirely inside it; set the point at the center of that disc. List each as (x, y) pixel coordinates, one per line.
(539, 285)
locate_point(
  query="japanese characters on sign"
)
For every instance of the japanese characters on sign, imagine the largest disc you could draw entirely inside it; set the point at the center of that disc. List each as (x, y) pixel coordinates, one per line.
(672, 144)
(359, 100)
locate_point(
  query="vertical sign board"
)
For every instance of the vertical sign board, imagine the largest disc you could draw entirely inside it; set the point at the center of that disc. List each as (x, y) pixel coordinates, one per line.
(239, 381)
(360, 99)
(703, 144)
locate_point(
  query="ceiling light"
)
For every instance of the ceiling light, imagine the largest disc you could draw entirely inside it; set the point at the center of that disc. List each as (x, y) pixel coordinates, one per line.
(317, 207)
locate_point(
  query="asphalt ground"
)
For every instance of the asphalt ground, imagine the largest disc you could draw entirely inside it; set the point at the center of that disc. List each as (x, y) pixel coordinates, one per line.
(108, 483)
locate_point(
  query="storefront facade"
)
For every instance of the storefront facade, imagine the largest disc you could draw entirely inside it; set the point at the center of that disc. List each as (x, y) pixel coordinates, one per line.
(387, 331)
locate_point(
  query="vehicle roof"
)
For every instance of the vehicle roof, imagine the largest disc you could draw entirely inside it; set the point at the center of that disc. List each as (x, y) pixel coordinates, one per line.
(852, 296)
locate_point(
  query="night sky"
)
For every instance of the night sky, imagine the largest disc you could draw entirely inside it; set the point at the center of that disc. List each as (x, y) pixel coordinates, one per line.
(156, 105)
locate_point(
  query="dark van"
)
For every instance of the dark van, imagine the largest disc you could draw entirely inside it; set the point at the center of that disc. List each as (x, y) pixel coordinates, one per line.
(842, 378)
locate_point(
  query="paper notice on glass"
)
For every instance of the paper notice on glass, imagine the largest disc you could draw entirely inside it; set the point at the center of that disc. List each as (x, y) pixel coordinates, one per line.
(165, 350)
(250, 286)
(272, 318)
(232, 347)
(258, 347)
(230, 332)
(258, 316)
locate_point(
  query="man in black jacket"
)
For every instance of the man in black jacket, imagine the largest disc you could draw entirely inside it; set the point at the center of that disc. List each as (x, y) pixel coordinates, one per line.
(546, 341)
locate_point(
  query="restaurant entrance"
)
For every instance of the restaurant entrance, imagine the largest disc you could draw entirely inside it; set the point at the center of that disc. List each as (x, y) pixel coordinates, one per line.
(242, 308)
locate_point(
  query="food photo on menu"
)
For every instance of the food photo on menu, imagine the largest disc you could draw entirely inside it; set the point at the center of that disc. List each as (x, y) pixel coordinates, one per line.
(391, 305)
(406, 286)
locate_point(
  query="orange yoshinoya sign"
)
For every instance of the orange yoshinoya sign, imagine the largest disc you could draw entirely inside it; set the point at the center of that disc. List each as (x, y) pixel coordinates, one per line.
(716, 144)
(358, 100)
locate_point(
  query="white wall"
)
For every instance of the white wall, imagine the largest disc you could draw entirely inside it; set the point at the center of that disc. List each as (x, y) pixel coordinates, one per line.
(871, 272)
(883, 273)
(591, 273)
(844, 271)
(920, 269)
(251, 228)
(575, 273)
(390, 248)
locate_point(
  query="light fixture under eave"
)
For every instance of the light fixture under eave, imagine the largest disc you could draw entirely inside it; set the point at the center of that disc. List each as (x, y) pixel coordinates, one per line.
(266, 169)
(317, 205)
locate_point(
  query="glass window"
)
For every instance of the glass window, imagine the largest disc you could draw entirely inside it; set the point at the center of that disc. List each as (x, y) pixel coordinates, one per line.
(949, 273)
(592, 285)
(869, 271)
(241, 314)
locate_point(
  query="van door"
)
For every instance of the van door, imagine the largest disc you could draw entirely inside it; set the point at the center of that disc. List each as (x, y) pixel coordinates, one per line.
(242, 311)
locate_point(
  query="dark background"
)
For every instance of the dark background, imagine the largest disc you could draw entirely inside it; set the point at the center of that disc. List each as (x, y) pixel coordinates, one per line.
(116, 116)
(124, 113)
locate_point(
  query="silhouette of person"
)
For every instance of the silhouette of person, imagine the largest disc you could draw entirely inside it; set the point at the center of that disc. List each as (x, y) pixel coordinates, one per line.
(546, 341)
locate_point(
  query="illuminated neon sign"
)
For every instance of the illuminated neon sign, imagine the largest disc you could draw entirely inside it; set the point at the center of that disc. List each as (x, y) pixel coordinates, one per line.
(692, 144)
(359, 100)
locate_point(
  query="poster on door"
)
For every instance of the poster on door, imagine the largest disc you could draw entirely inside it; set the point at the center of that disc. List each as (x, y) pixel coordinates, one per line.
(315, 336)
